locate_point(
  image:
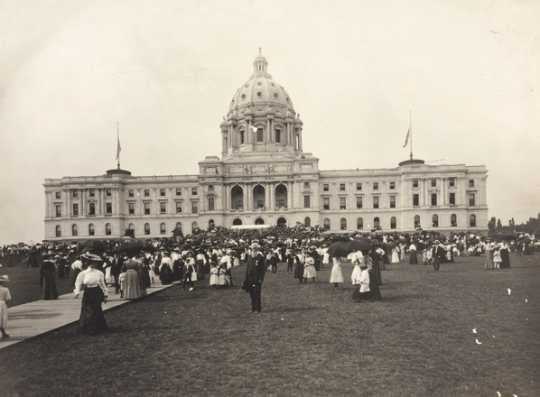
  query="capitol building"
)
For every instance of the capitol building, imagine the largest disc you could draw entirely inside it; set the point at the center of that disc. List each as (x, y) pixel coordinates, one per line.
(264, 177)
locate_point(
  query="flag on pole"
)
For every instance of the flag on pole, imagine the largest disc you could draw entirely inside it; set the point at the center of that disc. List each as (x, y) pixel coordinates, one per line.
(407, 137)
(118, 147)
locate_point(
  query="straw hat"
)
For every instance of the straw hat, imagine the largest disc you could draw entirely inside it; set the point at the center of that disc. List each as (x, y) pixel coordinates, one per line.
(4, 278)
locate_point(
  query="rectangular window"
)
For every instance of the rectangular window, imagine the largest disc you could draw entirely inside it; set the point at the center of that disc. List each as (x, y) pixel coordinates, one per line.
(178, 207)
(131, 208)
(131, 193)
(194, 207)
(146, 192)
(108, 192)
(415, 200)
(375, 185)
(471, 182)
(433, 199)
(242, 137)
(58, 195)
(260, 135)
(392, 185)
(325, 187)
(162, 192)
(178, 191)
(433, 182)
(452, 182)
(75, 194)
(146, 208)
(342, 203)
(415, 183)
(210, 188)
(326, 203)
(375, 201)
(108, 208)
(359, 202)
(91, 193)
(211, 203)
(75, 209)
(194, 191)
(278, 135)
(472, 200)
(452, 199)
(163, 207)
(392, 201)
(58, 210)
(341, 187)
(307, 201)
(358, 186)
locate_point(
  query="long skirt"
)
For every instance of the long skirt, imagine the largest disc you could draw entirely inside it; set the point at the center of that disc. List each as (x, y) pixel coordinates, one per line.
(310, 272)
(395, 256)
(355, 275)
(133, 285)
(92, 320)
(505, 256)
(336, 275)
(358, 296)
(413, 259)
(49, 287)
(299, 271)
(3, 315)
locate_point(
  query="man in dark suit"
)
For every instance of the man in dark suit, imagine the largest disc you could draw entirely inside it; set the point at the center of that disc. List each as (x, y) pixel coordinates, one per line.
(438, 254)
(255, 271)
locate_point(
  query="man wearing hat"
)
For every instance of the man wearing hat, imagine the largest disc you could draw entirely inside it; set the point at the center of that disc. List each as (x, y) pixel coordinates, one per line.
(5, 297)
(47, 277)
(255, 271)
(437, 254)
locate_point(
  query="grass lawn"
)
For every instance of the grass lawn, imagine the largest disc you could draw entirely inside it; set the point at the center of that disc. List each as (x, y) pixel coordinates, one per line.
(310, 340)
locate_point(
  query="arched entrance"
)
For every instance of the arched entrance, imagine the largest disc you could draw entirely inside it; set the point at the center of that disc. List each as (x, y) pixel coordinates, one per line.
(282, 221)
(259, 221)
(281, 196)
(237, 198)
(259, 194)
(237, 222)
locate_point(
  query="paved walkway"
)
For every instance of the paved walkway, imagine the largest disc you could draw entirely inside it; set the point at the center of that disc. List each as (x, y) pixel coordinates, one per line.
(35, 318)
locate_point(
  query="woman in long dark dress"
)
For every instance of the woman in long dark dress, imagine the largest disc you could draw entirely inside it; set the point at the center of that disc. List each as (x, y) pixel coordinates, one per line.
(298, 269)
(91, 282)
(47, 279)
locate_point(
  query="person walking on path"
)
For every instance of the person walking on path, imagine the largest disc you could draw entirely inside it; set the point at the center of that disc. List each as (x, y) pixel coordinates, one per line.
(47, 278)
(336, 275)
(5, 296)
(255, 271)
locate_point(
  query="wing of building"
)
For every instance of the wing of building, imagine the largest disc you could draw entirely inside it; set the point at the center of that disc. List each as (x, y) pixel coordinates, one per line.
(265, 177)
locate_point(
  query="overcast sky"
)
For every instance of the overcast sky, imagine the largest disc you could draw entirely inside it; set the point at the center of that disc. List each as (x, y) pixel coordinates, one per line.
(167, 70)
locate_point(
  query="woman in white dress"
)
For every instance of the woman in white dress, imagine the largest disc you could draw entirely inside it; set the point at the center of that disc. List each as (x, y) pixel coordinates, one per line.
(310, 272)
(356, 273)
(395, 254)
(213, 280)
(336, 275)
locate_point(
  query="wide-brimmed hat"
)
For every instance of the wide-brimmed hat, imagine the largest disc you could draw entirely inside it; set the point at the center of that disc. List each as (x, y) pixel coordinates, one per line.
(4, 278)
(91, 257)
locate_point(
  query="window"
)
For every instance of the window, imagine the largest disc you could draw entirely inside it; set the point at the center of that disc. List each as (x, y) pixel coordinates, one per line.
(147, 229)
(393, 222)
(453, 220)
(472, 200)
(358, 186)
(416, 221)
(58, 195)
(163, 207)
(58, 210)
(306, 185)
(325, 187)
(343, 224)
(435, 220)
(307, 201)
(415, 200)
(359, 202)
(471, 182)
(278, 135)
(108, 229)
(178, 207)
(162, 228)
(131, 193)
(326, 203)
(74, 230)
(210, 188)
(146, 208)
(75, 209)
(108, 208)
(178, 191)
(260, 135)
(392, 201)
(452, 182)
(392, 185)
(178, 226)
(242, 137)
(75, 194)
(194, 207)
(108, 192)
(194, 191)
(194, 226)
(433, 199)
(375, 185)
(360, 223)
(58, 231)
(146, 192)
(91, 230)
(91, 192)
(307, 221)
(376, 223)
(452, 199)
(472, 220)
(341, 187)
(92, 209)
(131, 208)
(433, 182)
(342, 203)
(326, 224)
(162, 192)
(211, 203)
(415, 183)
(375, 201)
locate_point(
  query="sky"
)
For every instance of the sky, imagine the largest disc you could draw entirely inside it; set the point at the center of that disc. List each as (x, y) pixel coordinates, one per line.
(468, 70)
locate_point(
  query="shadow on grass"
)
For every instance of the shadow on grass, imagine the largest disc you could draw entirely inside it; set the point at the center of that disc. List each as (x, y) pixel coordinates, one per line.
(401, 298)
(293, 309)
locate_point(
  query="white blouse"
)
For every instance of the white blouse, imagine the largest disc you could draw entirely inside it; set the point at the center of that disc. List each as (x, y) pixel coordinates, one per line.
(90, 278)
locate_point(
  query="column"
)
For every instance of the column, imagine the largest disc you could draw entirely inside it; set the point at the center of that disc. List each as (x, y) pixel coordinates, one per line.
(68, 203)
(290, 195)
(269, 129)
(82, 210)
(272, 192)
(300, 146)
(267, 205)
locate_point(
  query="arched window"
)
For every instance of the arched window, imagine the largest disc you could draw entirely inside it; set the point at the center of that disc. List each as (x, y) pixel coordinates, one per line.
(147, 228)
(108, 229)
(162, 228)
(179, 226)
(435, 220)
(237, 222)
(326, 224)
(393, 222)
(91, 230)
(74, 230)
(417, 221)
(259, 195)
(376, 223)
(453, 220)
(472, 220)
(91, 209)
(237, 198)
(343, 224)
(359, 223)
(307, 221)
(282, 221)
(58, 231)
(131, 226)
(194, 226)
(242, 137)
(281, 196)
(259, 221)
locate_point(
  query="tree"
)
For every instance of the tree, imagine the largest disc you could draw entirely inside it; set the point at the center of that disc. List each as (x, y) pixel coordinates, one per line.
(492, 224)
(499, 225)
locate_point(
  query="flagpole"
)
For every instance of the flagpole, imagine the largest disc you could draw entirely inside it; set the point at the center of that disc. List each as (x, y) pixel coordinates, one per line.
(410, 129)
(117, 144)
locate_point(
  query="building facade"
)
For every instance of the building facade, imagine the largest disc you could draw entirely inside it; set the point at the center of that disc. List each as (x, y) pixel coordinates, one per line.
(265, 177)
